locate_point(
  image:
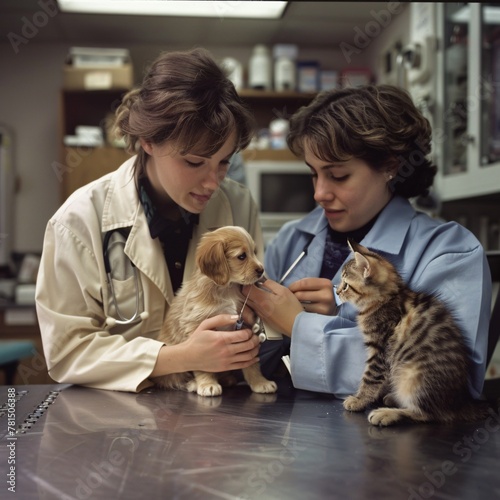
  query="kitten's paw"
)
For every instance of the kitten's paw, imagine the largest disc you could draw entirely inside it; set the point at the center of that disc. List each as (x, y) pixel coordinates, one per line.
(353, 403)
(384, 416)
(265, 387)
(209, 390)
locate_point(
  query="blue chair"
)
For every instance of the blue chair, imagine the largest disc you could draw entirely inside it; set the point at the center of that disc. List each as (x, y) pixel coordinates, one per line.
(11, 352)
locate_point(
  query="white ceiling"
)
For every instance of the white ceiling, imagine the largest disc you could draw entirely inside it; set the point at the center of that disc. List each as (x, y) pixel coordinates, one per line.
(309, 24)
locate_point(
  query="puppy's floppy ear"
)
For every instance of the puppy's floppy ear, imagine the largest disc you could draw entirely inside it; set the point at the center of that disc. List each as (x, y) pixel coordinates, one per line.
(211, 259)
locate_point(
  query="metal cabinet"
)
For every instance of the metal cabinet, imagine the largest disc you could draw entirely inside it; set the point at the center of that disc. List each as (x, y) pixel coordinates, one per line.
(467, 126)
(467, 135)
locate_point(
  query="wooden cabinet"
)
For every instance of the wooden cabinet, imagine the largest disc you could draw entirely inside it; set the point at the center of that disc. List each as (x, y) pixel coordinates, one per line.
(84, 165)
(81, 165)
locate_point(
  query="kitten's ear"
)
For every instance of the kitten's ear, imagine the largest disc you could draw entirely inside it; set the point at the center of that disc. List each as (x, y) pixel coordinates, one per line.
(356, 247)
(362, 264)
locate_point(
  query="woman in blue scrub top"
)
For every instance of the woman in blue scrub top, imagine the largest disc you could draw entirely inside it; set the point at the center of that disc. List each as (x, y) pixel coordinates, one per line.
(367, 149)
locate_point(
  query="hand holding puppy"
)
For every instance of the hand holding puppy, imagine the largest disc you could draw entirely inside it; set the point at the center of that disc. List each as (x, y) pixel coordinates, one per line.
(219, 351)
(210, 350)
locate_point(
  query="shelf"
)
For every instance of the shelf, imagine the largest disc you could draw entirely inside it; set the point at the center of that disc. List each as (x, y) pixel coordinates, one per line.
(271, 94)
(88, 107)
(267, 105)
(250, 155)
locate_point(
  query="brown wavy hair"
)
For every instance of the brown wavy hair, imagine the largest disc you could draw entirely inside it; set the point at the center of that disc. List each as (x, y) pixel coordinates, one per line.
(185, 98)
(376, 123)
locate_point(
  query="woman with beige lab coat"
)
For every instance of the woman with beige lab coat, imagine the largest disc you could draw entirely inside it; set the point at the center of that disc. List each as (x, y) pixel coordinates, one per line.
(185, 123)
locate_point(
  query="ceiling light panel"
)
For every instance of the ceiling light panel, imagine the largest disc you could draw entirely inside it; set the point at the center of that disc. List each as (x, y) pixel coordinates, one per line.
(220, 9)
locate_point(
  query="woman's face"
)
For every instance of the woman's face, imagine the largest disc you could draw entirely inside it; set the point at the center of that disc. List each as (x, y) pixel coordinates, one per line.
(189, 180)
(351, 192)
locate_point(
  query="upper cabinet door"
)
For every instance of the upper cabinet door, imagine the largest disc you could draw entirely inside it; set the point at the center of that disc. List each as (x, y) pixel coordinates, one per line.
(470, 116)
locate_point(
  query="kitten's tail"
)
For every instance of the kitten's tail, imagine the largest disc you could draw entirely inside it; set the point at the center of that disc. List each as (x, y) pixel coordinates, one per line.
(474, 411)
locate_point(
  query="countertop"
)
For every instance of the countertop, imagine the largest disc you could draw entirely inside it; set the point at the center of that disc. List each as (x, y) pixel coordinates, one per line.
(75, 442)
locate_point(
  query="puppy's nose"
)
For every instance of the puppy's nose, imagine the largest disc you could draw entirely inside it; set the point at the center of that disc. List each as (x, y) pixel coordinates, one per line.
(259, 271)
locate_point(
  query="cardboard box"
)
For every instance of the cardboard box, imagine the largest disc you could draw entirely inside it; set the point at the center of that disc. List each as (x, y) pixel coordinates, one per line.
(98, 77)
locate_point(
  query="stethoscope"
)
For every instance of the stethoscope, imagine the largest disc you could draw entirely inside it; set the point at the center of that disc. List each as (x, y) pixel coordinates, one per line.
(137, 316)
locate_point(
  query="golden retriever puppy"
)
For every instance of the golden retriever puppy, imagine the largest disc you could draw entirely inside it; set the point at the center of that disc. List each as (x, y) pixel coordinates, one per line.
(225, 260)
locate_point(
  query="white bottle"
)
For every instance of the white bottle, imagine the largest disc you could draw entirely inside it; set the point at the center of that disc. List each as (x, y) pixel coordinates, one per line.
(259, 68)
(235, 71)
(278, 130)
(284, 74)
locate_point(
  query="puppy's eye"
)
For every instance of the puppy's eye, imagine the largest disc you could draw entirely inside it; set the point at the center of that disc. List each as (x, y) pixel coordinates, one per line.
(242, 256)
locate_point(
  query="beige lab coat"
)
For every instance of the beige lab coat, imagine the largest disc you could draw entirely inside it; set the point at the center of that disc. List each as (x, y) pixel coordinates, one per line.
(73, 298)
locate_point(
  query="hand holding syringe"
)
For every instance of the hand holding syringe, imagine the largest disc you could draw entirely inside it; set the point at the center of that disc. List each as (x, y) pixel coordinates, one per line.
(257, 327)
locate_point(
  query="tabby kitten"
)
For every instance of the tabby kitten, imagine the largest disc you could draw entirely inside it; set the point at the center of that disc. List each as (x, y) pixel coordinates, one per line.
(417, 362)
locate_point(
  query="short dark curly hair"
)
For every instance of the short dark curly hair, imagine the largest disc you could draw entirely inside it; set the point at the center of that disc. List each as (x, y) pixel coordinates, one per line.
(376, 123)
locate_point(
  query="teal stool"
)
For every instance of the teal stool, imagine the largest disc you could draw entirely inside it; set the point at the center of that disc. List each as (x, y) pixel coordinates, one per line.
(11, 352)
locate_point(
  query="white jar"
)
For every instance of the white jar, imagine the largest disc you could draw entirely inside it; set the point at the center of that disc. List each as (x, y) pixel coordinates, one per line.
(235, 71)
(259, 69)
(284, 74)
(278, 130)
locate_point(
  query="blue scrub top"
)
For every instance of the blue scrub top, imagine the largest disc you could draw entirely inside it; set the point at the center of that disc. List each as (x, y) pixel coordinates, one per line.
(327, 352)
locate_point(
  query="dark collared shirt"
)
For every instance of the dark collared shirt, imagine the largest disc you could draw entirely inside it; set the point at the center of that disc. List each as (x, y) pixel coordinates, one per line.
(174, 235)
(337, 250)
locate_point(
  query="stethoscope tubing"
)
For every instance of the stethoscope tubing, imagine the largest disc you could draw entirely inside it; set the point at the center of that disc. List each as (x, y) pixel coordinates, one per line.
(136, 316)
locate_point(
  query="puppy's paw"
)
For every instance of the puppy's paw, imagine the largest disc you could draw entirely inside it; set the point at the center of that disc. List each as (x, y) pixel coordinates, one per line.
(353, 403)
(264, 387)
(209, 390)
